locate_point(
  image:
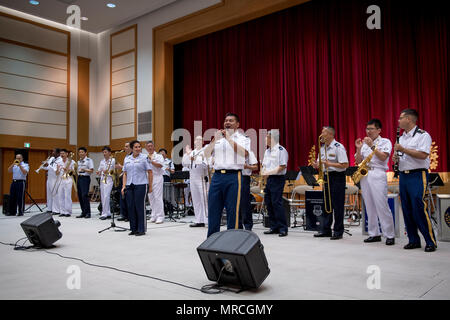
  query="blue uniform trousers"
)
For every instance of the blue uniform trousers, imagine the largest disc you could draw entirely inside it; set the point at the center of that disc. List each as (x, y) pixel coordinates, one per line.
(224, 191)
(17, 197)
(273, 198)
(413, 187)
(83, 184)
(245, 213)
(136, 206)
(337, 193)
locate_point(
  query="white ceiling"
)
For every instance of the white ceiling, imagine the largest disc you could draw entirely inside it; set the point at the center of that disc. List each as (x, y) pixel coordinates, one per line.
(100, 17)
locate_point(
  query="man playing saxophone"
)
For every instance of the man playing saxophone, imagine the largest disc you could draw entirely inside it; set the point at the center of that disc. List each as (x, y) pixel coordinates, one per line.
(63, 189)
(374, 186)
(335, 163)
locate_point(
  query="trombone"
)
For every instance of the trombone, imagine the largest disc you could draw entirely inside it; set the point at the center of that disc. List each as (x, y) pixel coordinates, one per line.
(322, 180)
(42, 165)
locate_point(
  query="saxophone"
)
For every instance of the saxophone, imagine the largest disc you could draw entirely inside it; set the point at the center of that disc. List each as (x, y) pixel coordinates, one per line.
(363, 168)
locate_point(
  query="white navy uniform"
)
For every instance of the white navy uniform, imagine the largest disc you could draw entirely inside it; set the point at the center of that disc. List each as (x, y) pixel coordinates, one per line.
(156, 196)
(64, 193)
(105, 188)
(198, 170)
(275, 157)
(167, 167)
(51, 179)
(413, 185)
(186, 162)
(374, 190)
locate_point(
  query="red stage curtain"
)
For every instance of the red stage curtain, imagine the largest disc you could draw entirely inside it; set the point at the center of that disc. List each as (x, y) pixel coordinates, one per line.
(318, 64)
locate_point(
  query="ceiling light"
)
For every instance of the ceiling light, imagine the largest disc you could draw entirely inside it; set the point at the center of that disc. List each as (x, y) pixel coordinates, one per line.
(111, 5)
(34, 2)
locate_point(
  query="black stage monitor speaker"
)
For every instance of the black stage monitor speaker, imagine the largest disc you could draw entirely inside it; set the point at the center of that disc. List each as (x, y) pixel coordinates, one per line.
(315, 210)
(6, 210)
(41, 230)
(234, 257)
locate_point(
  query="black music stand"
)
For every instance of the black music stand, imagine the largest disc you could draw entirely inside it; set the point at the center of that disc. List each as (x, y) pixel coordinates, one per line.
(308, 173)
(113, 212)
(31, 198)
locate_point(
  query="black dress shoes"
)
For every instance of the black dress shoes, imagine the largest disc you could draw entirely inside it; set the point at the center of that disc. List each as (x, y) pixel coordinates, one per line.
(194, 225)
(373, 239)
(139, 234)
(271, 231)
(412, 246)
(80, 216)
(87, 216)
(283, 234)
(322, 235)
(132, 233)
(336, 237)
(430, 248)
(390, 241)
(121, 219)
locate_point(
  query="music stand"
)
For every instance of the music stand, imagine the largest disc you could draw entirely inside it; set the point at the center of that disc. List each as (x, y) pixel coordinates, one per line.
(308, 174)
(113, 212)
(31, 198)
(349, 172)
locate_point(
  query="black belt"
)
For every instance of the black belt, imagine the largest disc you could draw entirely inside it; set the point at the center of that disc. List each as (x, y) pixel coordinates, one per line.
(413, 170)
(335, 173)
(18, 180)
(226, 171)
(80, 176)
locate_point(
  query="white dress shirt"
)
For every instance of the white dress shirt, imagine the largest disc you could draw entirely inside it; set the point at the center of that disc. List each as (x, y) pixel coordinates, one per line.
(274, 157)
(418, 140)
(224, 155)
(250, 160)
(336, 154)
(383, 145)
(86, 164)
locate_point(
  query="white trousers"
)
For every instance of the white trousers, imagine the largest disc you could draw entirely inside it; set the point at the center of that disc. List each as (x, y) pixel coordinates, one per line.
(65, 196)
(156, 198)
(199, 198)
(374, 190)
(105, 193)
(51, 200)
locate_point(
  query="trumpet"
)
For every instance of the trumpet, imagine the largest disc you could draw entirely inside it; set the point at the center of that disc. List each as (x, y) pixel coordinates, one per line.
(42, 165)
(322, 180)
(16, 162)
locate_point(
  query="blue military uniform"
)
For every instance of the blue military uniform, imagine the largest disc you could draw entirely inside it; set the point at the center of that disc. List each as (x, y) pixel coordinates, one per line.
(413, 185)
(17, 190)
(273, 193)
(83, 184)
(336, 153)
(225, 188)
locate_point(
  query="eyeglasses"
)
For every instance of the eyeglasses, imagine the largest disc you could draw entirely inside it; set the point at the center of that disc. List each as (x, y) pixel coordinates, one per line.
(370, 129)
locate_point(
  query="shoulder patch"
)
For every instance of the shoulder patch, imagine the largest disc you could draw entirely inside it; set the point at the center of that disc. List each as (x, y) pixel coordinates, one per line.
(281, 148)
(420, 131)
(337, 144)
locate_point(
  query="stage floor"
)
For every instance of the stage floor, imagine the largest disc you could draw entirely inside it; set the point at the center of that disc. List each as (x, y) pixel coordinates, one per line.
(302, 267)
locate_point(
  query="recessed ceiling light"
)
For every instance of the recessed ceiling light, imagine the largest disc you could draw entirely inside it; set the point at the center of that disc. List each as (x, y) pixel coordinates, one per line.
(34, 2)
(111, 5)
(84, 18)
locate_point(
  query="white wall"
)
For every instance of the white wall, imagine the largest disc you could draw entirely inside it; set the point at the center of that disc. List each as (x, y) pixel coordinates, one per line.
(97, 48)
(145, 25)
